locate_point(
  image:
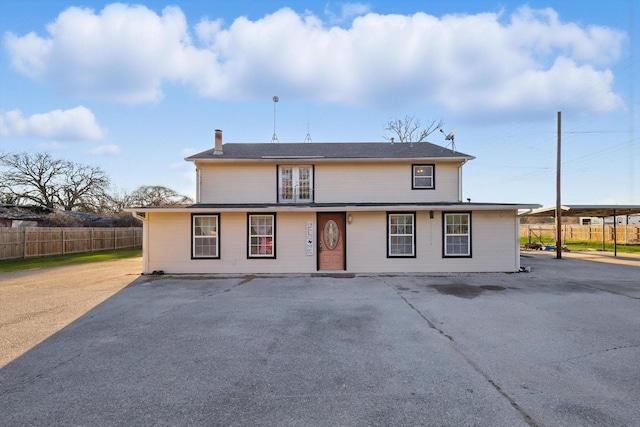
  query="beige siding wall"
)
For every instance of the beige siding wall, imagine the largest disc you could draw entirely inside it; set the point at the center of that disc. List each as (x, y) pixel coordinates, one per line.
(170, 245)
(238, 183)
(381, 182)
(169, 242)
(494, 245)
(333, 183)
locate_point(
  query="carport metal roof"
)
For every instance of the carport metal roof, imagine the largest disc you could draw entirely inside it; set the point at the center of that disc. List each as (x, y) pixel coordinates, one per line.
(587, 210)
(590, 210)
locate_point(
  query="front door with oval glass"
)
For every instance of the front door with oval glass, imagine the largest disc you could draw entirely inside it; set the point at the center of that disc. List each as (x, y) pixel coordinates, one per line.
(331, 241)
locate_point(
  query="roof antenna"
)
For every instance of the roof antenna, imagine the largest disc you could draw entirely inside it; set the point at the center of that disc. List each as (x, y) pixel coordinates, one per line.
(274, 138)
(449, 137)
(308, 137)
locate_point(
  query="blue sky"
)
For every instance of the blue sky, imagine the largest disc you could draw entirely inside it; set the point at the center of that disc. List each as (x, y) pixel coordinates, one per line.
(135, 87)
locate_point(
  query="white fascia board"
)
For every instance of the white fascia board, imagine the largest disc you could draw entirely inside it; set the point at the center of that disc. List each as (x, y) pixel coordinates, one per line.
(339, 207)
(297, 159)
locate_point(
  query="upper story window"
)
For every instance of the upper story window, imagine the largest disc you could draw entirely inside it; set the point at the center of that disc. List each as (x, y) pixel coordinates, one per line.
(423, 177)
(295, 184)
(457, 235)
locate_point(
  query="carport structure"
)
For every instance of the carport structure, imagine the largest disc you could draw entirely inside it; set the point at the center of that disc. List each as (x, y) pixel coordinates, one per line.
(601, 211)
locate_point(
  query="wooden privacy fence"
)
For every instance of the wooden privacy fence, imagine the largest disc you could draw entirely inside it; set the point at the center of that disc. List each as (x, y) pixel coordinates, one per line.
(26, 242)
(547, 233)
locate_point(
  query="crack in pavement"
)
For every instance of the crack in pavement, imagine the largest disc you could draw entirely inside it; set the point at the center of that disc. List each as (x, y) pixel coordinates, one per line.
(582, 356)
(528, 418)
(12, 387)
(595, 288)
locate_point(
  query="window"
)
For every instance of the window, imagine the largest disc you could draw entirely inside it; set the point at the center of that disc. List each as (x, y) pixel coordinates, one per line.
(401, 237)
(295, 184)
(205, 242)
(262, 233)
(423, 177)
(457, 235)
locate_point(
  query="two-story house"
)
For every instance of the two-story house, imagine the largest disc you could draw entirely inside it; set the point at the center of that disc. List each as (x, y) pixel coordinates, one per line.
(330, 207)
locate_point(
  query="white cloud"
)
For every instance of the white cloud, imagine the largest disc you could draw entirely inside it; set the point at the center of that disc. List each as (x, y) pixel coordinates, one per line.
(78, 123)
(122, 54)
(110, 150)
(348, 11)
(483, 63)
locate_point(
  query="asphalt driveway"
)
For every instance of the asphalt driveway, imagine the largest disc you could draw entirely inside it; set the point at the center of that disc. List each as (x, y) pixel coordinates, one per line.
(559, 346)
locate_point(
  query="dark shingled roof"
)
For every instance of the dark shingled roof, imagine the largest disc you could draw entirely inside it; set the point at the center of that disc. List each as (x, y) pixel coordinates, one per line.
(330, 150)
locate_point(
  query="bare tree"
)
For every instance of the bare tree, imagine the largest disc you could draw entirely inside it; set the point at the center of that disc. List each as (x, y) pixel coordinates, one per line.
(116, 201)
(83, 186)
(33, 177)
(157, 195)
(409, 129)
(49, 182)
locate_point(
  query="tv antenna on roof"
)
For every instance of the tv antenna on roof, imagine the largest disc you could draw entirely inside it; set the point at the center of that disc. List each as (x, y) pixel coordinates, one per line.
(449, 137)
(308, 137)
(274, 138)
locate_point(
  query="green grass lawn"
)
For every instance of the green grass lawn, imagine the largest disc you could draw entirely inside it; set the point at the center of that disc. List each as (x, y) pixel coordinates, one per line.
(58, 260)
(588, 245)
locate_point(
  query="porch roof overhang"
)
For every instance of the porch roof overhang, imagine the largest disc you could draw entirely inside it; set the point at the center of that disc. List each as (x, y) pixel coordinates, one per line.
(587, 211)
(330, 207)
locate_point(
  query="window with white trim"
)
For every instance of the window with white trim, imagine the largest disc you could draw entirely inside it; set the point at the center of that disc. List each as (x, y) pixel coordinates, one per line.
(423, 177)
(205, 238)
(457, 235)
(295, 184)
(262, 231)
(401, 235)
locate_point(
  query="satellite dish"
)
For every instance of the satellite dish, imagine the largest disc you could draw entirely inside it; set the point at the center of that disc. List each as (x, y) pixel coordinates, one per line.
(276, 99)
(449, 137)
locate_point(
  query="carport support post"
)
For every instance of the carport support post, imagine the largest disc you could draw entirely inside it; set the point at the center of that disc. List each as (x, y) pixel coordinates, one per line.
(558, 204)
(615, 238)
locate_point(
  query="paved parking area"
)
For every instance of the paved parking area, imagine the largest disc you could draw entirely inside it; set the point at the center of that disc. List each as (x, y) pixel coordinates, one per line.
(559, 346)
(35, 304)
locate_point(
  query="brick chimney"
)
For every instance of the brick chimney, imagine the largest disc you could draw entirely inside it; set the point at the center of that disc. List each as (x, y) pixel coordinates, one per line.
(217, 150)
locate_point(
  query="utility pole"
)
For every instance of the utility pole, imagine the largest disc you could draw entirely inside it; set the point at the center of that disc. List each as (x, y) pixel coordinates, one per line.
(558, 202)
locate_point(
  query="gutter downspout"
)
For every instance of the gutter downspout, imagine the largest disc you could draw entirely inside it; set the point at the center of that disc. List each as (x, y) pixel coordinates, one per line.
(198, 184)
(460, 181)
(145, 240)
(517, 239)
